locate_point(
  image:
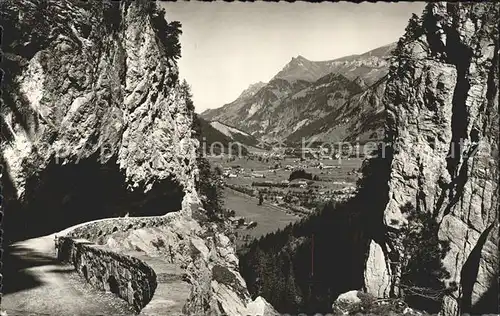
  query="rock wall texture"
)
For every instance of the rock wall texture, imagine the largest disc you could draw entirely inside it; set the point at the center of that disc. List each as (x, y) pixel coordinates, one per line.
(100, 82)
(442, 128)
(94, 86)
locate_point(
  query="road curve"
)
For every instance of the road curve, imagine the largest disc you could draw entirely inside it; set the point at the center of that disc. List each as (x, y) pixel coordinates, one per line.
(35, 283)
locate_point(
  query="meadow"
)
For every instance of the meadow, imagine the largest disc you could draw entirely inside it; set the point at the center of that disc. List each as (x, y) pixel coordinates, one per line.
(269, 218)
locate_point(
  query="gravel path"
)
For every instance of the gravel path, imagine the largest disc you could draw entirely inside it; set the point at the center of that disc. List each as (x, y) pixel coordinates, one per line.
(35, 283)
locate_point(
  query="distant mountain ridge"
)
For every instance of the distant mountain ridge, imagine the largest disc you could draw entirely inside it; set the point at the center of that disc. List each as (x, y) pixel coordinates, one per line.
(301, 93)
(365, 66)
(252, 89)
(235, 106)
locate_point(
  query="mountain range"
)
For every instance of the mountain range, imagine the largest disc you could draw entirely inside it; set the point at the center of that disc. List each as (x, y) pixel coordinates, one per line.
(313, 99)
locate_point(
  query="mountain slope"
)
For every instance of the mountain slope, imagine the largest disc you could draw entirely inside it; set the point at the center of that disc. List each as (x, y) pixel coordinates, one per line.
(236, 105)
(281, 107)
(217, 133)
(361, 119)
(234, 134)
(252, 89)
(296, 110)
(302, 92)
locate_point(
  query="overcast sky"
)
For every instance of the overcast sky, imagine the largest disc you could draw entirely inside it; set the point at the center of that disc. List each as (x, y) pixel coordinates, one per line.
(226, 46)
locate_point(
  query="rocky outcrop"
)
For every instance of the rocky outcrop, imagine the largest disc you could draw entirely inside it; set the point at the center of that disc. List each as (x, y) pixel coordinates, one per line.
(442, 106)
(359, 303)
(97, 124)
(260, 307)
(93, 90)
(206, 255)
(345, 301)
(377, 274)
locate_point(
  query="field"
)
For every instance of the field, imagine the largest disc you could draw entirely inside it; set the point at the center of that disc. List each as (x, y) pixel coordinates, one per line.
(269, 218)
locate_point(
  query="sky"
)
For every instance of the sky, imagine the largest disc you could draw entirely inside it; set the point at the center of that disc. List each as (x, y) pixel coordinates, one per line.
(226, 46)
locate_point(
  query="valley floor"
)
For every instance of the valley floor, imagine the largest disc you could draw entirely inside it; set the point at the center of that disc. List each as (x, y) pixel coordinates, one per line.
(269, 218)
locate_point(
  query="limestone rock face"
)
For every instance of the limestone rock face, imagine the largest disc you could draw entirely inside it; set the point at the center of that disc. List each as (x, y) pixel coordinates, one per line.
(442, 126)
(205, 255)
(94, 86)
(377, 274)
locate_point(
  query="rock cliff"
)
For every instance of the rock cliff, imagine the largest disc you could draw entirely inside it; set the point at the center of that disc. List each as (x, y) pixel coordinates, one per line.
(441, 100)
(95, 123)
(93, 79)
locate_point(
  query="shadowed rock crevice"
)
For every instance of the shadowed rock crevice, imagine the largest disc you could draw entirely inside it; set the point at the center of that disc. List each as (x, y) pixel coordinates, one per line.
(492, 96)
(489, 301)
(113, 285)
(74, 193)
(459, 55)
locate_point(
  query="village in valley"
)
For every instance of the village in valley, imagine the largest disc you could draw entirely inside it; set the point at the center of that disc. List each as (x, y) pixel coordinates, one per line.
(265, 190)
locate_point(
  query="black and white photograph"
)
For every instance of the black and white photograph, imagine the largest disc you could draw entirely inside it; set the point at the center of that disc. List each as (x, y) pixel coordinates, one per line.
(249, 158)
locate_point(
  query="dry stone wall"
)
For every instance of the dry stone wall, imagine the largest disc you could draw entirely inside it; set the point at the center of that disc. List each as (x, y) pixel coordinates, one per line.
(127, 277)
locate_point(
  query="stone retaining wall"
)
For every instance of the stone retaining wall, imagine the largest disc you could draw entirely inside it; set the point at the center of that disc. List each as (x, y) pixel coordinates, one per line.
(129, 278)
(93, 230)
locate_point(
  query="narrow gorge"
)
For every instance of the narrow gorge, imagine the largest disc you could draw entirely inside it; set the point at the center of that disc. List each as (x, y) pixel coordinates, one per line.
(105, 176)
